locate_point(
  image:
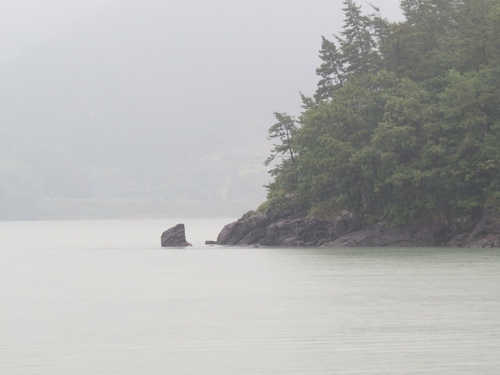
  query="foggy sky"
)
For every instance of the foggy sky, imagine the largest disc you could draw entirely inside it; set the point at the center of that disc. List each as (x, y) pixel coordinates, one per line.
(132, 84)
(29, 22)
(291, 28)
(257, 53)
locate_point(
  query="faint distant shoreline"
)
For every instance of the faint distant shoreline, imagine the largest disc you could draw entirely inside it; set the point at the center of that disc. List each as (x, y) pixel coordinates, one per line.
(130, 208)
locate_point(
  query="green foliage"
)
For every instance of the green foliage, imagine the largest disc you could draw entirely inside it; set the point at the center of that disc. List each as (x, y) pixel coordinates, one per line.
(331, 70)
(357, 53)
(405, 124)
(284, 129)
(358, 45)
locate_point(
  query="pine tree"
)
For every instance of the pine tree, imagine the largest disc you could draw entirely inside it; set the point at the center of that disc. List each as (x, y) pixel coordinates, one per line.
(331, 70)
(358, 48)
(283, 130)
(357, 52)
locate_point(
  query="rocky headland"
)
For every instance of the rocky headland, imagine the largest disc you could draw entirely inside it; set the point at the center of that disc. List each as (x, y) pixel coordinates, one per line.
(291, 228)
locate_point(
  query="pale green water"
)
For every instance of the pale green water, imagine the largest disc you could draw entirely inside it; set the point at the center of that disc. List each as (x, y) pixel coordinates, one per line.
(102, 297)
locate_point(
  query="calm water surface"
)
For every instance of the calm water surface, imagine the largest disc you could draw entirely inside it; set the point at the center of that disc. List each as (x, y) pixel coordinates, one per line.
(102, 297)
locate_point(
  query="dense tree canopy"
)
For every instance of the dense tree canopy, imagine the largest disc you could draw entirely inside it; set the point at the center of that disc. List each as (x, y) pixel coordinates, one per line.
(405, 123)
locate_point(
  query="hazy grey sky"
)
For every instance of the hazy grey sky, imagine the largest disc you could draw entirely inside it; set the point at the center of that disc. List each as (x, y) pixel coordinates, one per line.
(239, 59)
(26, 23)
(167, 63)
(134, 86)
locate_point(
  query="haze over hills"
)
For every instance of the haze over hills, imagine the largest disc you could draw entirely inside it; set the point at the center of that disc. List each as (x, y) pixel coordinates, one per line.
(155, 101)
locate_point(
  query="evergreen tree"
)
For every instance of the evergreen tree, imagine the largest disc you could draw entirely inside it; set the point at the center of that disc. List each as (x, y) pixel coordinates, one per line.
(405, 124)
(284, 129)
(421, 47)
(331, 70)
(476, 43)
(358, 47)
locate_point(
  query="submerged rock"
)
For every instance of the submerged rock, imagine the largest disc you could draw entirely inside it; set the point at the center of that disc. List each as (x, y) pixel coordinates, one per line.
(175, 237)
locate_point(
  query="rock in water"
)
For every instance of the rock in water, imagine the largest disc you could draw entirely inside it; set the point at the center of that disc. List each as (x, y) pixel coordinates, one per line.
(175, 237)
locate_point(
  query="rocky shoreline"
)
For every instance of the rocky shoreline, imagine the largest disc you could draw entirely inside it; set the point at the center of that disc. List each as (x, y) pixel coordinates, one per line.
(285, 228)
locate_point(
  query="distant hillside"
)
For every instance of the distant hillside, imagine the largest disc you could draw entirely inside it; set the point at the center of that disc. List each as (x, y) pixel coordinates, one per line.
(134, 104)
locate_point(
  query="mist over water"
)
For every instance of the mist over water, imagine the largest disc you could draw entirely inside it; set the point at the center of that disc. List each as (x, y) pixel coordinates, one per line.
(87, 297)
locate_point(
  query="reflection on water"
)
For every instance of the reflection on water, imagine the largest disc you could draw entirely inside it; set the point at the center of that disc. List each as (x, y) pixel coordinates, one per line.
(102, 297)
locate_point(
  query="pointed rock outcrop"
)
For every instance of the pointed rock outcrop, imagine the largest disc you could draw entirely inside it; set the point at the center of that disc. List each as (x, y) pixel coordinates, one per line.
(175, 237)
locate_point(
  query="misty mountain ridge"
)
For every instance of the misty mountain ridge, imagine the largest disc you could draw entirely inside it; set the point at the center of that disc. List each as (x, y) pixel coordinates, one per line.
(106, 113)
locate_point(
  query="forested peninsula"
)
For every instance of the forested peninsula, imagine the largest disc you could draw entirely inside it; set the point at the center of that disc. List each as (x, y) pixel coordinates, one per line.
(400, 144)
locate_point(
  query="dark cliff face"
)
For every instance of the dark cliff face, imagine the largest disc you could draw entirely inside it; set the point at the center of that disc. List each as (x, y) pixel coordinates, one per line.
(278, 228)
